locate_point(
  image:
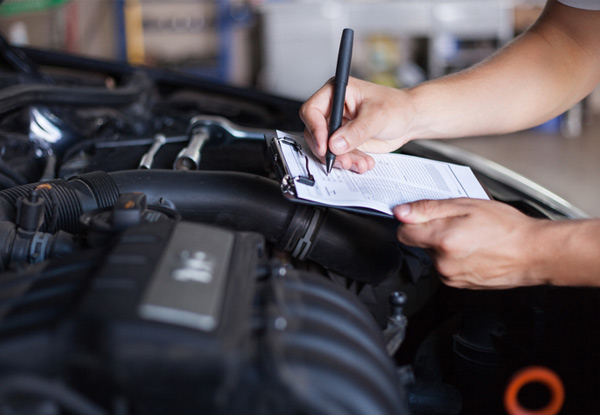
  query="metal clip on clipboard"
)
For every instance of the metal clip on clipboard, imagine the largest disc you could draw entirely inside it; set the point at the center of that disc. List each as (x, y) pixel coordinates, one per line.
(288, 181)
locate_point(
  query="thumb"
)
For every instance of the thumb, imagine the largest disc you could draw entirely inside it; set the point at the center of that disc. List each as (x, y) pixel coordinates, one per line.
(424, 211)
(351, 135)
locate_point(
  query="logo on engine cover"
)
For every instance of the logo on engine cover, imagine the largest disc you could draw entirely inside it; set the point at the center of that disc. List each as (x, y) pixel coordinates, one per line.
(195, 266)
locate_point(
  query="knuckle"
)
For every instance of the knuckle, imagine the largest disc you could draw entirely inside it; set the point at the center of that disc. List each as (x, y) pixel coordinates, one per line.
(306, 113)
(302, 111)
(361, 165)
(425, 207)
(447, 267)
(453, 246)
(370, 162)
(404, 235)
(346, 162)
(447, 245)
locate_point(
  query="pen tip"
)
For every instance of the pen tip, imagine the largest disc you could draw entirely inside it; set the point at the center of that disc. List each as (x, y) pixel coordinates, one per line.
(328, 169)
(329, 160)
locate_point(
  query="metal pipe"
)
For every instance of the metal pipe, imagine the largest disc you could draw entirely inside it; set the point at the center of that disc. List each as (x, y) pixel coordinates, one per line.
(234, 130)
(148, 157)
(189, 157)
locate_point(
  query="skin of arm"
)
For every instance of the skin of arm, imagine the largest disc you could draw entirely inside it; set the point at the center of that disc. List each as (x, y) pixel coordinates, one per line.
(539, 75)
(486, 244)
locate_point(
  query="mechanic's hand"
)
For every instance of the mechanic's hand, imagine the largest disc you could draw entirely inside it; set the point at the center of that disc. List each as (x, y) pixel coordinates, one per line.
(474, 243)
(375, 120)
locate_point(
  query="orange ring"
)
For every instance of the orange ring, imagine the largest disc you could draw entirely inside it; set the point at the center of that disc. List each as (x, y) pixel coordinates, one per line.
(534, 374)
(46, 186)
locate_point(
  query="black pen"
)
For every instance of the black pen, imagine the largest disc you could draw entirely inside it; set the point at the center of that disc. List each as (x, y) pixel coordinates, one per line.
(342, 72)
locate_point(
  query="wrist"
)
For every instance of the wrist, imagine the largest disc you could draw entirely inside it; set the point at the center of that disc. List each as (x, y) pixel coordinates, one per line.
(418, 121)
(430, 115)
(566, 253)
(542, 249)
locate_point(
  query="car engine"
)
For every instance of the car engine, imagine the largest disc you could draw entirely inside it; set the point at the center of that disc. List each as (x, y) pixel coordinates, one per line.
(151, 265)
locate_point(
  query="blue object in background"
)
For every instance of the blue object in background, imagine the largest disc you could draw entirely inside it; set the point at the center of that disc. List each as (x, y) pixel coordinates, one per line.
(552, 126)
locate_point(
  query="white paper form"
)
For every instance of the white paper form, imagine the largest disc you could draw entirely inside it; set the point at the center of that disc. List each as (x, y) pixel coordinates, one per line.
(396, 179)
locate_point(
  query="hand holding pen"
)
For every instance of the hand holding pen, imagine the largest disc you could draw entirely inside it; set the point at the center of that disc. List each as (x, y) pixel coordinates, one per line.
(379, 120)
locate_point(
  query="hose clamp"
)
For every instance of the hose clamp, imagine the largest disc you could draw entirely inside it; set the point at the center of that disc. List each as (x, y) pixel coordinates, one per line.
(304, 243)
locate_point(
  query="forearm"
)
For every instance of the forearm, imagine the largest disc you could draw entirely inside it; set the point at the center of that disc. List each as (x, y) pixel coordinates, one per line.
(567, 253)
(538, 76)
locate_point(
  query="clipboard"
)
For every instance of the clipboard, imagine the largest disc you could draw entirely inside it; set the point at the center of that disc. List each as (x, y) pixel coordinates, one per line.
(288, 180)
(396, 179)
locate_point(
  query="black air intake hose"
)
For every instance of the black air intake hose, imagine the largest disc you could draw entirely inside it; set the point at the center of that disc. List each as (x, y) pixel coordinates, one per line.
(65, 201)
(357, 246)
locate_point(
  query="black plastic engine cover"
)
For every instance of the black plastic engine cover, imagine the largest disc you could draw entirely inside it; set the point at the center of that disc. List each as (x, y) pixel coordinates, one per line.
(187, 318)
(165, 321)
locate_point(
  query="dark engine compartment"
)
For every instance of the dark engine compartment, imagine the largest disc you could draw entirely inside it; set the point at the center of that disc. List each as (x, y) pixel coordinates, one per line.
(150, 265)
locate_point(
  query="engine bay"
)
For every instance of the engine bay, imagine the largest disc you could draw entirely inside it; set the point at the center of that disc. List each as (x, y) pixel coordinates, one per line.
(151, 265)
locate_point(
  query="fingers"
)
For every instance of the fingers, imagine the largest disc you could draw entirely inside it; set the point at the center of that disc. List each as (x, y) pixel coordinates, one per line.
(421, 236)
(473, 243)
(314, 113)
(312, 145)
(358, 130)
(424, 211)
(377, 119)
(374, 121)
(361, 123)
(356, 160)
(430, 223)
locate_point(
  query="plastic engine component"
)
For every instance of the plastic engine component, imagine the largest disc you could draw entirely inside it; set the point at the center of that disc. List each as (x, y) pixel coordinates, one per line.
(199, 309)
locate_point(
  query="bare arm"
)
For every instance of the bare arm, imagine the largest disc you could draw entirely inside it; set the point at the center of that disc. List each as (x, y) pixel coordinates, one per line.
(538, 76)
(535, 78)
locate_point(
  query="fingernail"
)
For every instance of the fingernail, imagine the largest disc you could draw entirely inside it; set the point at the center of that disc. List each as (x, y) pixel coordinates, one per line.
(403, 210)
(339, 144)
